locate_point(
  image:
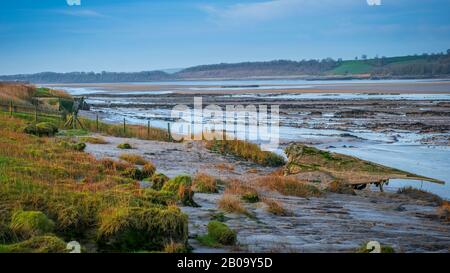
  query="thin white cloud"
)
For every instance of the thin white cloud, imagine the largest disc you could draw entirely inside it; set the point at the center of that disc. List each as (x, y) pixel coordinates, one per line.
(80, 12)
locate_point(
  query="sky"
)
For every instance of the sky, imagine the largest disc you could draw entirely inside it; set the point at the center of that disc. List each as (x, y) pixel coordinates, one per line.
(136, 35)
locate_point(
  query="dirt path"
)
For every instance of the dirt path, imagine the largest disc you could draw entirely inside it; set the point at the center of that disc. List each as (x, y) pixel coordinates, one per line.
(332, 223)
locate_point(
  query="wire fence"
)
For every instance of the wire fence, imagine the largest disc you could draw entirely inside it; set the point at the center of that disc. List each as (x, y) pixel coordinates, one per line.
(39, 113)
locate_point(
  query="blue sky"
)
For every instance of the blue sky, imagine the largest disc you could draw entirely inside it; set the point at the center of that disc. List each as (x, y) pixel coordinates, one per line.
(133, 35)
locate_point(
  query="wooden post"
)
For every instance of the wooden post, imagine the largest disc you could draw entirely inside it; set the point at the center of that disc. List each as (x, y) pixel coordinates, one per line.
(168, 131)
(10, 108)
(35, 113)
(96, 122)
(148, 129)
(124, 126)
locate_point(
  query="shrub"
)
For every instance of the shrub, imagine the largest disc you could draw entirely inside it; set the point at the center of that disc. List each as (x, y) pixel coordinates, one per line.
(130, 229)
(221, 233)
(124, 146)
(26, 224)
(338, 186)
(205, 183)
(158, 180)
(37, 244)
(133, 158)
(181, 186)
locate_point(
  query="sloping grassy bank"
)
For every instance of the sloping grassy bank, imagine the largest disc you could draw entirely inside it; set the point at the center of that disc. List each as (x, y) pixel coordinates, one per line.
(87, 200)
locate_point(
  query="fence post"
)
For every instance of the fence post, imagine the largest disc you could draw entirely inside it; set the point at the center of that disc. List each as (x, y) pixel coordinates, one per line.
(10, 108)
(97, 122)
(35, 113)
(124, 126)
(148, 129)
(168, 131)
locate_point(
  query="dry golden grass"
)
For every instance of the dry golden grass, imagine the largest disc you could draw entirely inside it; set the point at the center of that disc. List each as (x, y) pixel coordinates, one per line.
(133, 158)
(203, 182)
(288, 186)
(231, 204)
(444, 211)
(18, 93)
(245, 150)
(224, 167)
(94, 140)
(275, 207)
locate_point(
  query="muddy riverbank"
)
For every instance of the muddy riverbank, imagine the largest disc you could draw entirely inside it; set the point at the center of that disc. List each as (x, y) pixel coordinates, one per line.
(329, 223)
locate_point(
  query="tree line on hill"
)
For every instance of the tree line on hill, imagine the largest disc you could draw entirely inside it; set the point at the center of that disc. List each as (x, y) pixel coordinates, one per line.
(425, 65)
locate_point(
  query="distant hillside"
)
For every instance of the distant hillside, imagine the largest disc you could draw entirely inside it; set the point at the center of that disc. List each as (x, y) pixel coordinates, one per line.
(255, 69)
(434, 65)
(89, 77)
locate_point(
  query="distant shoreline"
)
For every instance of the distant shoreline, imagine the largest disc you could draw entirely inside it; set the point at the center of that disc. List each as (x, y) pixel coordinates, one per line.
(434, 87)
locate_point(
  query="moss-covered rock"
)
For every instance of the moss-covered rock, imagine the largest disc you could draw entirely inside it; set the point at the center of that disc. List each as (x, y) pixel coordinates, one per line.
(41, 129)
(26, 224)
(133, 173)
(158, 180)
(124, 146)
(218, 234)
(37, 244)
(79, 146)
(164, 198)
(181, 186)
(133, 229)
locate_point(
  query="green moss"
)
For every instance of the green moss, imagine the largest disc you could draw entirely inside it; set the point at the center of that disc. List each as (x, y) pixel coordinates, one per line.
(133, 229)
(37, 244)
(26, 224)
(80, 146)
(158, 181)
(159, 197)
(181, 186)
(220, 216)
(218, 234)
(41, 129)
(125, 146)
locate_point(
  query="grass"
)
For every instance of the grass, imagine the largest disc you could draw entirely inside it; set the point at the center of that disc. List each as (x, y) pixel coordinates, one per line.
(245, 150)
(444, 211)
(338, 186)
(421, 195)
(204, 183)
(275, 207)
(288, 186)
(94, 140)
(133, 158)
(353, 67)
(219, 234)
(76, 192)
(232, 204)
